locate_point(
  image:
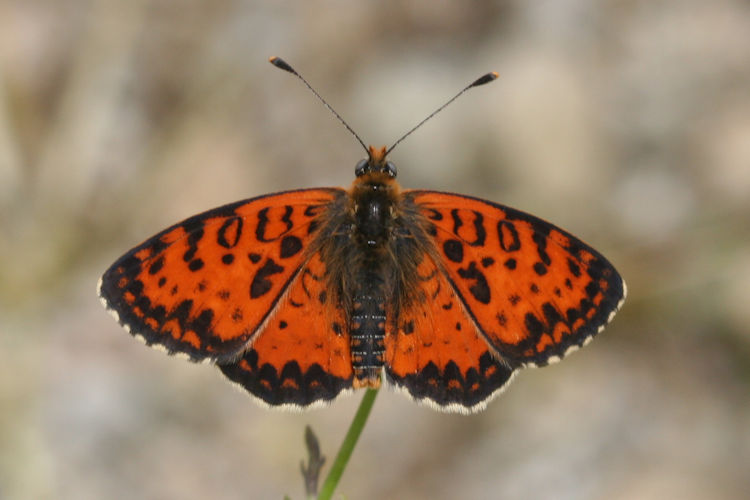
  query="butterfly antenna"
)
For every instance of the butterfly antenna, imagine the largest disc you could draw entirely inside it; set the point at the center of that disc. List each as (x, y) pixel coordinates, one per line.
(476, 83)
(282, 64)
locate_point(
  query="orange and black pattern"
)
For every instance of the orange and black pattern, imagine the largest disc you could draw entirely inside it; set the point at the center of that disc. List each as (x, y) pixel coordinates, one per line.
(437, 354)
(533, 290)
(300, 296)
(303, 355)
(204, 286)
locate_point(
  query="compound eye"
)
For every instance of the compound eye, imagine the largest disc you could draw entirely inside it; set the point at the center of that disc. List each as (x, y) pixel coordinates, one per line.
(359, 170)
(390, 169)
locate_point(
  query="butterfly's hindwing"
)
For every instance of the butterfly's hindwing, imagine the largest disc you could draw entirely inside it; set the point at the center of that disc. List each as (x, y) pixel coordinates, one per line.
(302, 356)
(436, 353)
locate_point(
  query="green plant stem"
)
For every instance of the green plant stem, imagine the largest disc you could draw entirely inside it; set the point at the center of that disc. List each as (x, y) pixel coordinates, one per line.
(347, 446)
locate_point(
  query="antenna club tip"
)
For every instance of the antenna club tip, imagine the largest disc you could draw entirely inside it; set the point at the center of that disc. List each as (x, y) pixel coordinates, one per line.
(281, 64)
(484, 79)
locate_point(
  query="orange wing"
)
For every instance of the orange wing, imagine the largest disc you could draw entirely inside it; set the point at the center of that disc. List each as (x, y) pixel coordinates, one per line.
(437, 354)
(302, 356)
(533, 290)
(205, 286)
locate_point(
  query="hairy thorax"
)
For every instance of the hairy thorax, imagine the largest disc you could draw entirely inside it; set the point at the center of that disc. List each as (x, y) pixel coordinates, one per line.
(374, 201)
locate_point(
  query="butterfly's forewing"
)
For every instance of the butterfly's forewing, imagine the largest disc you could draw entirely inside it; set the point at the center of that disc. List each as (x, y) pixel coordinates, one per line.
(203, 287)
(534, 290)
(436, 353)
(302, 356)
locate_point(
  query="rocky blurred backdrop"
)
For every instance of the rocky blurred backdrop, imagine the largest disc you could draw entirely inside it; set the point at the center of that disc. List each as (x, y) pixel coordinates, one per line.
(626, 122)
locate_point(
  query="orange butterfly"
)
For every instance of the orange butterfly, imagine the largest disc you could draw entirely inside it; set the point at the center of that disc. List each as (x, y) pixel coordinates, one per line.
(303, 295)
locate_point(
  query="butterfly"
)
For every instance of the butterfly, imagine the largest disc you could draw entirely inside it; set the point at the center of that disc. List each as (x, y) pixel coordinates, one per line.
(304, 295)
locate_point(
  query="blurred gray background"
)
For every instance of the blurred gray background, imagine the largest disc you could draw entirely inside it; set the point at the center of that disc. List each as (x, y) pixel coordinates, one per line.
(626, 122)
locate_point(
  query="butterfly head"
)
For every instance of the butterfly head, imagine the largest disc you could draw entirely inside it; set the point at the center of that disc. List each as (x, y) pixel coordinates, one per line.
(375, 164)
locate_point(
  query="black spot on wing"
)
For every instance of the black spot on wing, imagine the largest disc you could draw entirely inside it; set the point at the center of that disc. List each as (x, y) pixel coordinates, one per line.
(540, 238)
(181, 313)
(592, 289)
(287, 217)
(457, 222)
(202, 324)
(502, 319)
(480, 289)
(195, 231)
(237, 315)
(261, 284)
(454, 250)
(230, 232)
(260, 228)
(433, 214)
(479, 230)
(574, 268)
(312, 210)
(551, 315)
(540, 269)
(533, 325)
(156, 266)
(508, 235)
(290, 246)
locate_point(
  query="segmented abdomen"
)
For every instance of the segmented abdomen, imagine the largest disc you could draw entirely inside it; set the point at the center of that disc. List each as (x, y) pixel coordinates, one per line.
(368, 330)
